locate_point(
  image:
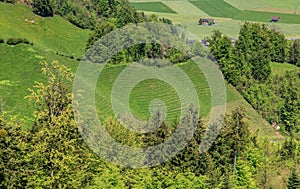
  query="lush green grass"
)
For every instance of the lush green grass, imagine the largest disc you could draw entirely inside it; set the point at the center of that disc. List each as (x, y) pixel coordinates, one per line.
(19, 70)
(49, 33)
(287, 6)
(266, 17)
(146, 91)
(217, 8)
(152, 7)
(280, 68)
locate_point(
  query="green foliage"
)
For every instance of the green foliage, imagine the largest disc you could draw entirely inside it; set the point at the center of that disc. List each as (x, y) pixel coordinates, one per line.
(293, 181)
(253, 44)
(294, 53)
(247, 67)
(43, 7)
(2, 40)
(58, 157)
(15, 41)
(13, 145)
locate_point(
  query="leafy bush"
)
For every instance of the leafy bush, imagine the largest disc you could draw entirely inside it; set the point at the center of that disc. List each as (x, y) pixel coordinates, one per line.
(2, 41)
(43, 7)
(15, 41)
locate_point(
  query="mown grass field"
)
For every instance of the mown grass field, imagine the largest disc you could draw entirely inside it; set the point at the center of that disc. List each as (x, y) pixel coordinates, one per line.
(253, 10)
(279, 6)
(153, 7)
(216, 8)
(266, 17)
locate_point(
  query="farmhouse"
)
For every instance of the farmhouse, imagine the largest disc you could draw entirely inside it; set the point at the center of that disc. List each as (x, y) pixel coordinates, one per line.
(275, 19)
(207, 21)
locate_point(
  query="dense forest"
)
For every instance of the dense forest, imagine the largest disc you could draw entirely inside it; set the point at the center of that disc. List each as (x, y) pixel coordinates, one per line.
(51, 153)
(246, 65)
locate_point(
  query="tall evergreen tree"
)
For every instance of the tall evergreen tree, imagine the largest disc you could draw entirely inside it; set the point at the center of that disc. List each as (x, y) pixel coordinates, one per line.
(293, 181)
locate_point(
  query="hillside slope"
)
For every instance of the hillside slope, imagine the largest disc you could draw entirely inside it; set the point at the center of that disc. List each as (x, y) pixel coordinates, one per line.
(20, 68)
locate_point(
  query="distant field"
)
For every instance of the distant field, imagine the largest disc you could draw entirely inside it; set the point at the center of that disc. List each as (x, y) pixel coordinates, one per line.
(287, 6)
(217, 8)
(266, 17)
(153, 7)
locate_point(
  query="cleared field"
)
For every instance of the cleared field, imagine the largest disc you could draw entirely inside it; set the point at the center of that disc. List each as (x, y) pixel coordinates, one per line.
(288, 6)
(184, 7)
(217, 8)
(49, 33)
(266, 16)
(152, 7)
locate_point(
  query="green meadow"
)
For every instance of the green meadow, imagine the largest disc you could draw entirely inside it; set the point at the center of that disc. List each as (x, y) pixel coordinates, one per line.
(152, 7)
(20, 69)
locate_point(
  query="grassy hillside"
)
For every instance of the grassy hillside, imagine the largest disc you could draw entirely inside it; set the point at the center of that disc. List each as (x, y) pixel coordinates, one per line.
(48, 33)
(20, 68)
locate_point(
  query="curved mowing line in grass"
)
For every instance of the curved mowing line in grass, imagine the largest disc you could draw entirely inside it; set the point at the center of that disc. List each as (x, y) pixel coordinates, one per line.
(148, 90)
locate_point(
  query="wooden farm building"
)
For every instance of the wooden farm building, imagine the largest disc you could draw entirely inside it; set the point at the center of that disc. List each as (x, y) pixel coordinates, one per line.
(207, 21)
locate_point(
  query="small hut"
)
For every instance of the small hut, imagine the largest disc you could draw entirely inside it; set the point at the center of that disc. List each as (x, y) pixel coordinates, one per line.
(275, 19)
(206, 22)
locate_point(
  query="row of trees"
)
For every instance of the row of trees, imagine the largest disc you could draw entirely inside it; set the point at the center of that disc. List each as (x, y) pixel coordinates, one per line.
(52, 153)
(246, 65)
(88, 14)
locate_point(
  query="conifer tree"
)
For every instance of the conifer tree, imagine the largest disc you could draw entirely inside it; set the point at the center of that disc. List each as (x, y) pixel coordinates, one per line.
(293, 181)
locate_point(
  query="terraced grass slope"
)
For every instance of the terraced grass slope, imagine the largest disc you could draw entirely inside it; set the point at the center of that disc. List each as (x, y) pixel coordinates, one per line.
(146, 91)
(152, 7)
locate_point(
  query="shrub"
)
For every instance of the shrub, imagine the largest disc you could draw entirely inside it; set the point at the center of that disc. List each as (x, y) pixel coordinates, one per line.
(2, 41)
(15, 41)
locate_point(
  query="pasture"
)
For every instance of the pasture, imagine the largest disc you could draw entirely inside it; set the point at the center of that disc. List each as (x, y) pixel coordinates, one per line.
(232, 15)
(152, 7)
(54, 33)
(20, 69)
(216, 8)
(266, 16)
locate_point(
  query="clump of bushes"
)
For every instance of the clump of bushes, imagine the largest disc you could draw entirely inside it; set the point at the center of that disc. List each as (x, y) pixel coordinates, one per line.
(15, 41)
(1, 40)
